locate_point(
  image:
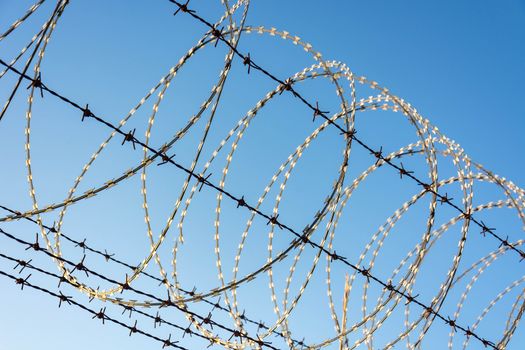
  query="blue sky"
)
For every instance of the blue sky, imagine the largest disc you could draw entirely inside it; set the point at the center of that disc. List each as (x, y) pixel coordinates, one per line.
(459, 63)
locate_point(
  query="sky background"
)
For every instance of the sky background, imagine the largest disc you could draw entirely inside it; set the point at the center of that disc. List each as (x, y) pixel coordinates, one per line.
(459, 63)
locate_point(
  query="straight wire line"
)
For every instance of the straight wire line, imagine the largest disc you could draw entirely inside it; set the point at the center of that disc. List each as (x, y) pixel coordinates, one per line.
(109, 257)
(96, 314)
(162, 302)
(19, 21)
(56, 13)
(157, 319)
(130, 137)
(350, 134)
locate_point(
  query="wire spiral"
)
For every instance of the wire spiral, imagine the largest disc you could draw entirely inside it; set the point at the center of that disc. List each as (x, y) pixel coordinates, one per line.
(405, 310)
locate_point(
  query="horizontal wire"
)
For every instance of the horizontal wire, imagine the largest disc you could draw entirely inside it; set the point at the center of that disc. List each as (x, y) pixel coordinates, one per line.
(157, 319)
(110, 257)
(163, 302)
(96, 314)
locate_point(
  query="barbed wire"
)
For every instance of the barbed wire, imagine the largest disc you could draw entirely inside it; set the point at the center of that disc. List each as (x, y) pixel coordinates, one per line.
(110, 257)
(166, 303)
(81, 266)
(214, 35)
(286, 85)
(158, 320)
(130, 137)
(57, 12)
(64, 299)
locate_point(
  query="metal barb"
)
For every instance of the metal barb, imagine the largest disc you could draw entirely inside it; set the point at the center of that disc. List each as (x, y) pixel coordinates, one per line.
(130, 137)
(37, 84)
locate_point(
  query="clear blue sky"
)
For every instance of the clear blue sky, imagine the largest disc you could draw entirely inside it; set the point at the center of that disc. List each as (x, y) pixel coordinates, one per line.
(459, 63)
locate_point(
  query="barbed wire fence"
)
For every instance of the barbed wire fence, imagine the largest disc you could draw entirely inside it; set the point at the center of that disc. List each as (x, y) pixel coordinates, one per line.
(396, 291)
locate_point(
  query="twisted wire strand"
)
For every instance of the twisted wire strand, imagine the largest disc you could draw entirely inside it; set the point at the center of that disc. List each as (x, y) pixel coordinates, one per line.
(32, 9)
